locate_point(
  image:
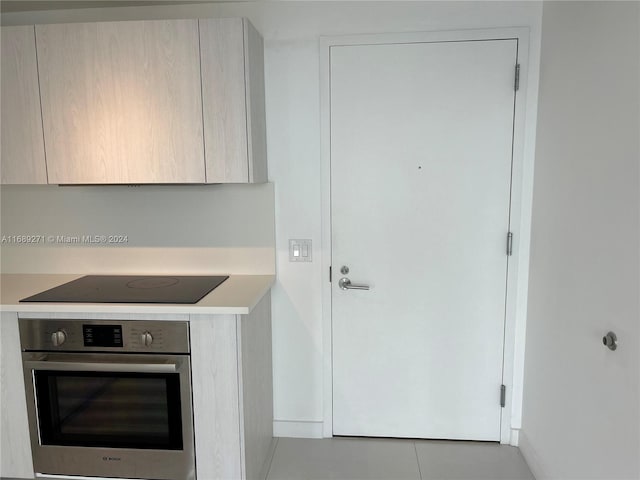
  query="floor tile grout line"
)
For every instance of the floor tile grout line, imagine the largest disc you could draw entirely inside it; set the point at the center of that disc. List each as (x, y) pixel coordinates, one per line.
(273, 455)
(415, 449)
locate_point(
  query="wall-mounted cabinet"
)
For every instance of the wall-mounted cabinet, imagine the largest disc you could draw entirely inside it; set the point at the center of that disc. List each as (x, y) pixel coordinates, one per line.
(168, 101)
(22, 143)
(231, 52)
(121, 102)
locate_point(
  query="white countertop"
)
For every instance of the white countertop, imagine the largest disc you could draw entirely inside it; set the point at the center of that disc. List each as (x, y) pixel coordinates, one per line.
(237, 295)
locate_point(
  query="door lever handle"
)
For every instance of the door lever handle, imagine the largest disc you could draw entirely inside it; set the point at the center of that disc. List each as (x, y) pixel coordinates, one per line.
(345, 284)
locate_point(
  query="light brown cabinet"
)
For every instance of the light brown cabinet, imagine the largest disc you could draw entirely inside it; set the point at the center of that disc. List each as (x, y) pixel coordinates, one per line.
(22, 144)
(121, 102)
(231, 54)
(162, 101)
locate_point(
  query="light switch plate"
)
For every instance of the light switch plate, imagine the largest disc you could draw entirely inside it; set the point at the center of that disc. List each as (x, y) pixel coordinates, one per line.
(300, 250)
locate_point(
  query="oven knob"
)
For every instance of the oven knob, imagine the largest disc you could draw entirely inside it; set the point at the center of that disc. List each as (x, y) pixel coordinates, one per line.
(146, 339)
(58, 338)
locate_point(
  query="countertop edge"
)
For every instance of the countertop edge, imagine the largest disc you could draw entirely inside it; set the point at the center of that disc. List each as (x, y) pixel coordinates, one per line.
(244, 293)
(124, 308)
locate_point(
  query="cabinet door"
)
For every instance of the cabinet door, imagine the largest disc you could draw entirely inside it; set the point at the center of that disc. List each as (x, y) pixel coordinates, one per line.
(22, 143)
(121, 102)
(231, 53)
(15, 444)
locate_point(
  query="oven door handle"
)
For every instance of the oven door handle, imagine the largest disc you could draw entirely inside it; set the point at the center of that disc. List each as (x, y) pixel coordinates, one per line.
(103, 367)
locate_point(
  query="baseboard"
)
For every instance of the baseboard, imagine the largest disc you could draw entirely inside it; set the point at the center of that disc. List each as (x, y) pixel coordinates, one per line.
(531, 457)
(297, 429)
(515, 437)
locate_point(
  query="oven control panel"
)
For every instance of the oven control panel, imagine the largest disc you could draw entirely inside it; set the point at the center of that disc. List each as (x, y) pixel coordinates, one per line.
(77, 335)
(102, 335)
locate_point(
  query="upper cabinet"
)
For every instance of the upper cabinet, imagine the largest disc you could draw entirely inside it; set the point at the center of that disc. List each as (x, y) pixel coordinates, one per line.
(168, 101)
(22, 144)
(232, 59)
(121, 102)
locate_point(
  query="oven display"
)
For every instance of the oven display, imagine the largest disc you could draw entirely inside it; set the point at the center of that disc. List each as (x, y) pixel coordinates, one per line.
(102, 335)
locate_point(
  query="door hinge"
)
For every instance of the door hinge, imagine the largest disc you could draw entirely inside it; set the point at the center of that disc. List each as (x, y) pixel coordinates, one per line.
(329, 273)
(509, 244)
(516, 85)
(503, 395)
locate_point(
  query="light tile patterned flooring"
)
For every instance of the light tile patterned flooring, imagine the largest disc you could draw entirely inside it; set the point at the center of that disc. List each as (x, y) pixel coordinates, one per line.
(391, 459)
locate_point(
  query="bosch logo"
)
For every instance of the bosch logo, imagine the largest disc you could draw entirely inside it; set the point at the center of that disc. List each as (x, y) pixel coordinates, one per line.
(111, 459)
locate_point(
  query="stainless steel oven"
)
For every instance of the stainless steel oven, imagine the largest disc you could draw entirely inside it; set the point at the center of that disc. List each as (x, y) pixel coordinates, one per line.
(109, 398)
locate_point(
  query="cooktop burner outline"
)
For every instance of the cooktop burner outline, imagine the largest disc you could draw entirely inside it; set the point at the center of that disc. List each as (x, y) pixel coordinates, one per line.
(152, 282)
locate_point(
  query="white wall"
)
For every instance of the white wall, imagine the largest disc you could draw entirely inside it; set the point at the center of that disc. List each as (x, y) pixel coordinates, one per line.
(194, 229)
(291, 31)
(581, 401)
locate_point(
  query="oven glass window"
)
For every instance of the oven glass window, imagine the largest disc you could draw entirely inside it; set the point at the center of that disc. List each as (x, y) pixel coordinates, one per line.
(117, 410)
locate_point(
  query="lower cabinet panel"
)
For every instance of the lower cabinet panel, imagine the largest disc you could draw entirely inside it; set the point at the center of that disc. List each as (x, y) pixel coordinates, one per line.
(15, 447)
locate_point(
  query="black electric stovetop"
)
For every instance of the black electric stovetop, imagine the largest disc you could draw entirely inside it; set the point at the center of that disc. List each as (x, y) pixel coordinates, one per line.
(131, 289)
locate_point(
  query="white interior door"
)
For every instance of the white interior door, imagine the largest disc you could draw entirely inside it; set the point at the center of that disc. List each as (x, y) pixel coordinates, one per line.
(421, 152)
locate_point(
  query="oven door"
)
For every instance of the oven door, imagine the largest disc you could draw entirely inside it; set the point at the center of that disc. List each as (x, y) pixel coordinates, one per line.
(110, 415)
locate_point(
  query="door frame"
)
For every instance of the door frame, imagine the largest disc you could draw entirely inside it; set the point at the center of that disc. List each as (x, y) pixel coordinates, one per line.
(520, 220)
